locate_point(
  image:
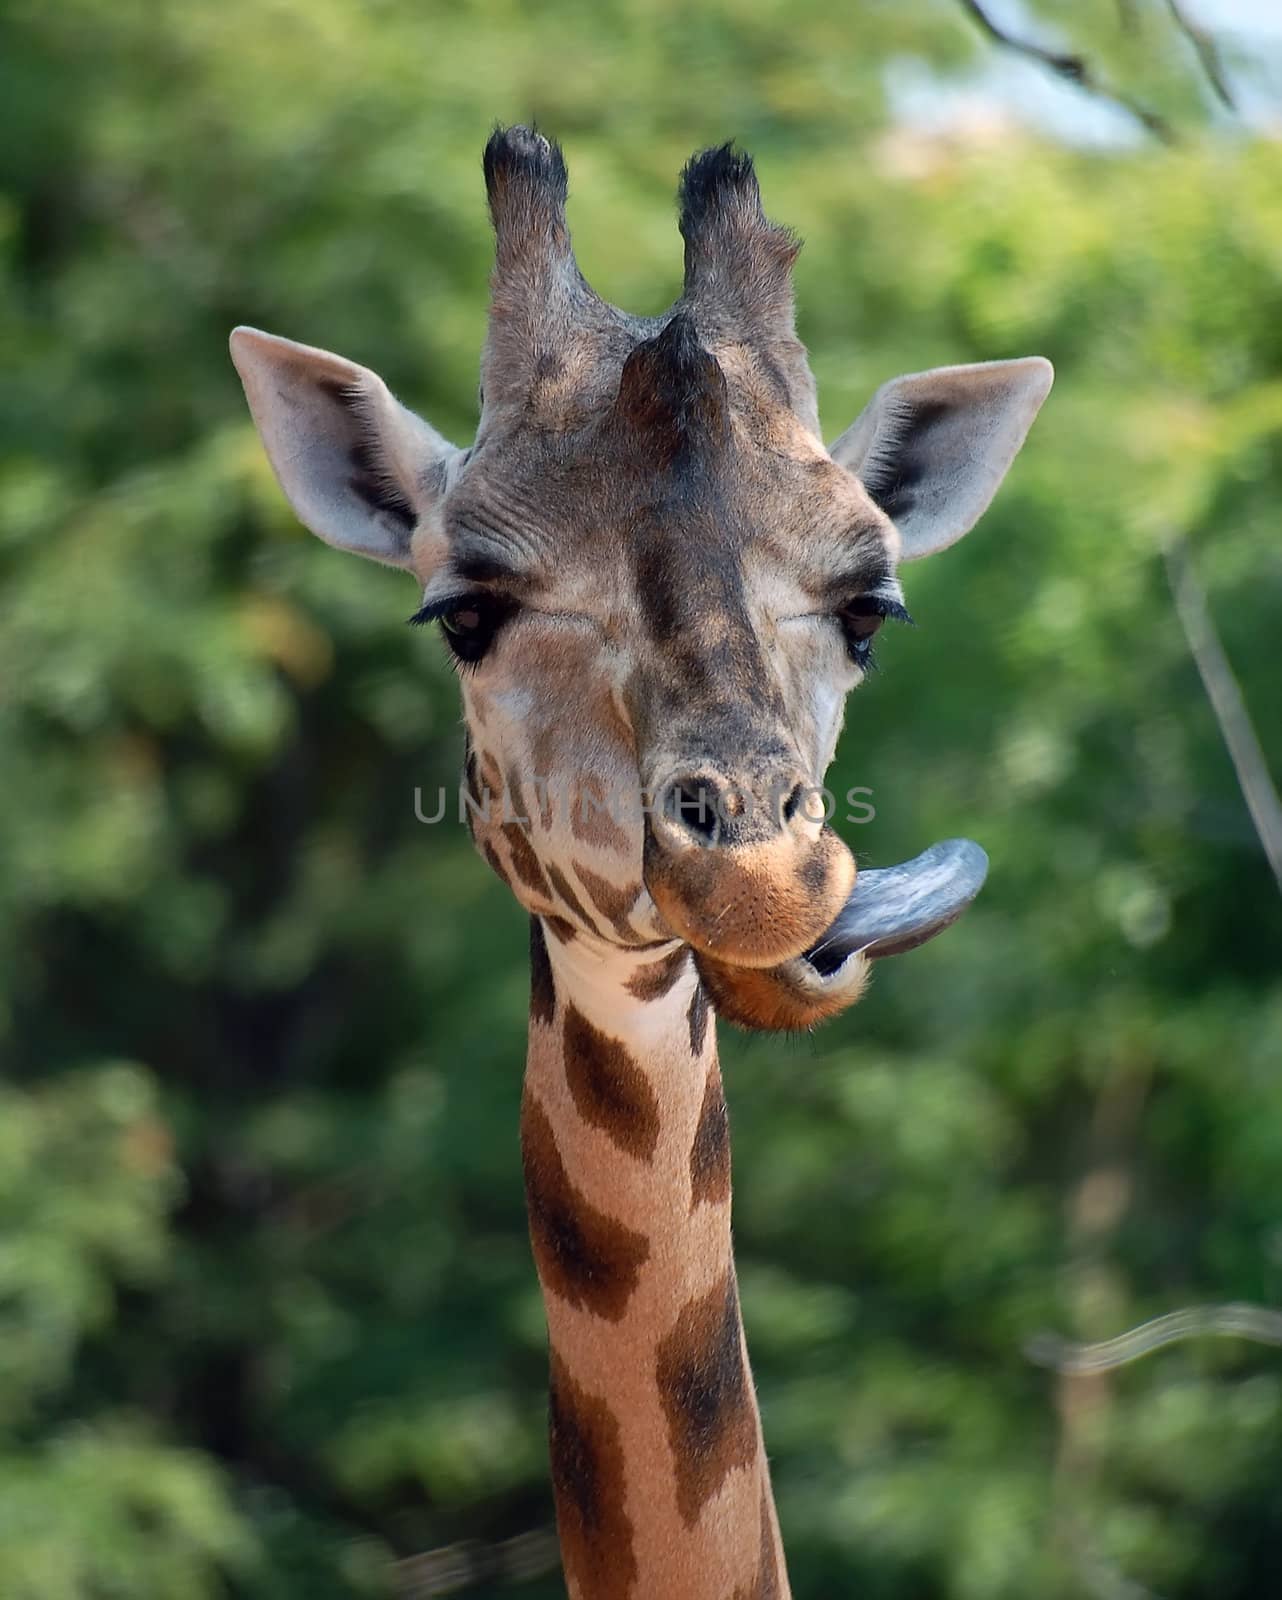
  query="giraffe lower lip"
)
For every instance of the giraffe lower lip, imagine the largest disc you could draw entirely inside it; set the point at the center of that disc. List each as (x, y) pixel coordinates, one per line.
(893, 909)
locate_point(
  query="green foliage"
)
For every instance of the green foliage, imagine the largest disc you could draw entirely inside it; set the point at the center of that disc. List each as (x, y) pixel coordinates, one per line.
(267, 1315)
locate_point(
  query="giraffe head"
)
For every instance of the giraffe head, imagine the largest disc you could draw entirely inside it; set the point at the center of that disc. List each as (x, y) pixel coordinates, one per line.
(657, 583)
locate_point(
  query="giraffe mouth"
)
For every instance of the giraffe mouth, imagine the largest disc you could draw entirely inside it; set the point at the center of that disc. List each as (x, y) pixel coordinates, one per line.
(893, 909)
(890, 909)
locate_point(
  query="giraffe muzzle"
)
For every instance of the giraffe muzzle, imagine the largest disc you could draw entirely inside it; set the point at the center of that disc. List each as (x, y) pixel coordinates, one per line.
(748, 874)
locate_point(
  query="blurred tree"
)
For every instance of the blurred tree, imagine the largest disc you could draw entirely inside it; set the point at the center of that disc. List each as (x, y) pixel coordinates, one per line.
(268, 1321)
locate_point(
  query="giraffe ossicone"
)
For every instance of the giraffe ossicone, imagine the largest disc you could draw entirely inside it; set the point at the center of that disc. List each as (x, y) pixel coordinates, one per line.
(654, 577)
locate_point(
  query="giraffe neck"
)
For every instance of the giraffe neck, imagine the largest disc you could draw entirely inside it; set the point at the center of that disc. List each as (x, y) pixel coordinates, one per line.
(660, 1476)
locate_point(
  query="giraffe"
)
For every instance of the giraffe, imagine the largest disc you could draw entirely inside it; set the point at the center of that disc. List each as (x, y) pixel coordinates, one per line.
(656, 582)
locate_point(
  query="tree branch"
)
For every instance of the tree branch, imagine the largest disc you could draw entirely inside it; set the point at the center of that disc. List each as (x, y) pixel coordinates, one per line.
(1261, 1324)
(1236, 727)
(1074, 69)
(1207, 53)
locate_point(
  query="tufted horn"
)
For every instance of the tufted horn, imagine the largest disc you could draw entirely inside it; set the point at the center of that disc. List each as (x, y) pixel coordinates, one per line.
(738, 264)
(538, 295)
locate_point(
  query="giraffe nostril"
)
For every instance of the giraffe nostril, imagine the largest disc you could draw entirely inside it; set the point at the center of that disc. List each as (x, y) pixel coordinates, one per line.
(693, 804)
(708, 810)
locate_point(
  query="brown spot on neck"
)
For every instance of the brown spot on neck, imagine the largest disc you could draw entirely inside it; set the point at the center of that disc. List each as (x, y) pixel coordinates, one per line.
(588, 1480)
(583, 1256)
(706, 1398)
(654, 980)
(710, 1152)
(698, 1019)
(542, 985)
(609, 1088)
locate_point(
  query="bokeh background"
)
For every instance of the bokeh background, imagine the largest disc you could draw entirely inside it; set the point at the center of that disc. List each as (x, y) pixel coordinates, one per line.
(268, 1323)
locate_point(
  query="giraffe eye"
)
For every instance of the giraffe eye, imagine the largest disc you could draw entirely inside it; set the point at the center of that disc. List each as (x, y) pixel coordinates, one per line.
(470, 623)
(861, 620)
(471, 627)
(860, 633)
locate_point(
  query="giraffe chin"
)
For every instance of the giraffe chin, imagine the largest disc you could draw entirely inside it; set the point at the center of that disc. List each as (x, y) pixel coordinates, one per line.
(790, 997)
(752, 905)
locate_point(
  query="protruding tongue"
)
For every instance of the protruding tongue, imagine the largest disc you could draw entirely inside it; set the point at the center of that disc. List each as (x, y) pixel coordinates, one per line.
(892, 909)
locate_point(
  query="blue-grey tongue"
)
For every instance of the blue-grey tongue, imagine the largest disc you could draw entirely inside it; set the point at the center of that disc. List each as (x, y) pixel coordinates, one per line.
(892, 909)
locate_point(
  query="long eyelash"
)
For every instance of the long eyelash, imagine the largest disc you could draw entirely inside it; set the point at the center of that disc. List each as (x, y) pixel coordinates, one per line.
(436, 609)
(875, 605)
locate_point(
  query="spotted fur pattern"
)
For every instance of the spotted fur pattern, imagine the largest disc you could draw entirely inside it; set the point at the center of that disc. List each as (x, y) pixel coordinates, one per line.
(660, 1477)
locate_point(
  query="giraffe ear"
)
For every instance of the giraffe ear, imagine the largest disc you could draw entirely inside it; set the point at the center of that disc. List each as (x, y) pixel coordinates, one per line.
(358, 468)
(931, 448)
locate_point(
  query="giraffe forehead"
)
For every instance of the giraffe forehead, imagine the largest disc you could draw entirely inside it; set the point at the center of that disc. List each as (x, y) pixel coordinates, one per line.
(591, 526)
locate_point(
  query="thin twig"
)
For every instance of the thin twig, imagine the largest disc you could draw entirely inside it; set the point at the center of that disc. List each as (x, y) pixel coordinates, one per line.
(1230, 710)
(1127, 16)
(454, 1568)
(1074, 69)
(1236, 1321)
(1207, 52)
